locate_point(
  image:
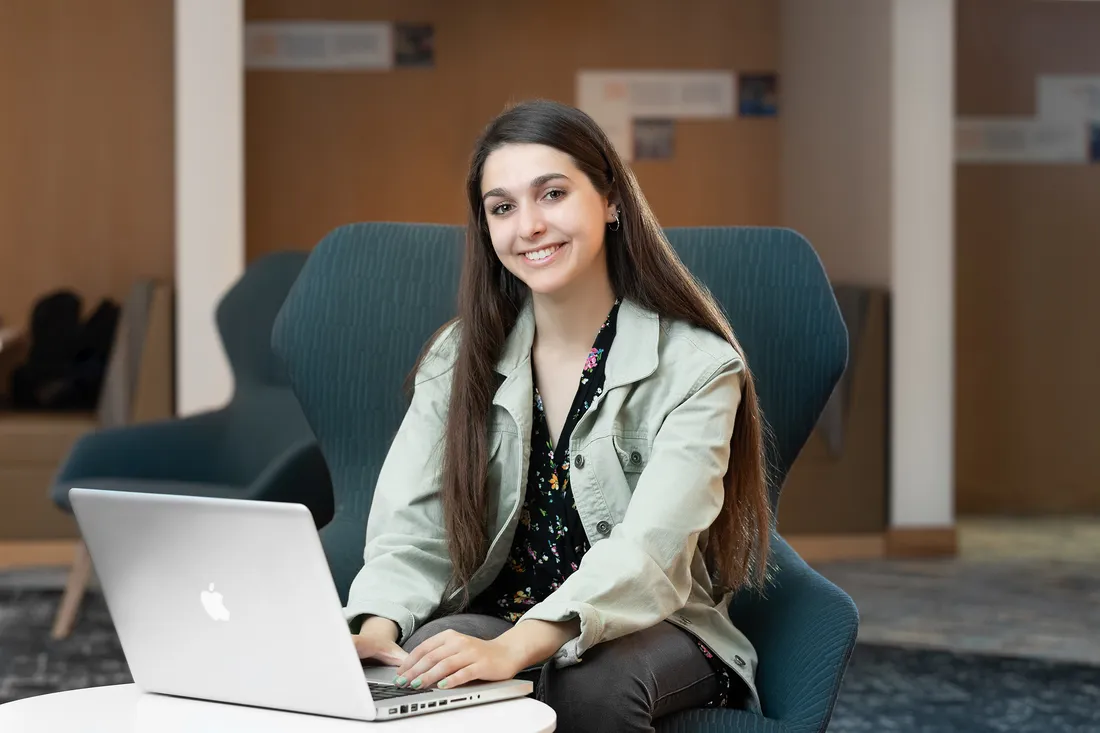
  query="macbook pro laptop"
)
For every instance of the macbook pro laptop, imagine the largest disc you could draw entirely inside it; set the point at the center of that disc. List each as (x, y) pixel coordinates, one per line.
(232, 601)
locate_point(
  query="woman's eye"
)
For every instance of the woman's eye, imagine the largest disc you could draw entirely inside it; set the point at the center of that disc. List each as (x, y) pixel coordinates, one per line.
(555, 193)
(499, 209)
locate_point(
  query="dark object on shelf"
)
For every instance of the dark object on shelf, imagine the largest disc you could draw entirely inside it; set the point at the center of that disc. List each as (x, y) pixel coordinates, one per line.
(67, 357)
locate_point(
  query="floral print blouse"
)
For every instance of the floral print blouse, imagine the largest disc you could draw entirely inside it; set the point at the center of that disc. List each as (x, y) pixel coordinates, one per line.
(550, 540)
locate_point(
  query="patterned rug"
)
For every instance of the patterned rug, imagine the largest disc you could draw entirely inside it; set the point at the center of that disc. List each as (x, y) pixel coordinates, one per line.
(886, 688)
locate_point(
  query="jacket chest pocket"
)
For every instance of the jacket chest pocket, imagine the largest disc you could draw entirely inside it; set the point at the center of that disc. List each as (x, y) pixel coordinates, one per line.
(632, 457)
(620, 462)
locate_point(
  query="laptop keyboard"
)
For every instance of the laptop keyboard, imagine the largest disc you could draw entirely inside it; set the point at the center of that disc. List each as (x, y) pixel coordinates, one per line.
(385, 692)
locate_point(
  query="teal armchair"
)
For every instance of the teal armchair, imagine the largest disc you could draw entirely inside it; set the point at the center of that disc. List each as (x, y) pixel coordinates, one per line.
(258, 446)
(372, 294)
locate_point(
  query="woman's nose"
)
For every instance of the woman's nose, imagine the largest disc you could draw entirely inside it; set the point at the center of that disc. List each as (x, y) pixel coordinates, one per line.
(533, 225)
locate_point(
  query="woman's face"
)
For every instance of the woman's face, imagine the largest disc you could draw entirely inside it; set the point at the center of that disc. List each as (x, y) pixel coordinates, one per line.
(546, 220)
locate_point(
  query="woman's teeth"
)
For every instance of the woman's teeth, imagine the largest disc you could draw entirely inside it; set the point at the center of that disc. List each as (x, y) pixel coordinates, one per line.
(542, 253)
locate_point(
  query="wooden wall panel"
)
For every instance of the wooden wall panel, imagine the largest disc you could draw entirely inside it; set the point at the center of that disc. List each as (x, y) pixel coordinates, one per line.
(86, 156)
(325, 149)
(1028, 406)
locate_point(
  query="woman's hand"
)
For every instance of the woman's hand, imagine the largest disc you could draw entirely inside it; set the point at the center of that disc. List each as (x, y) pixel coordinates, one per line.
(377, 640)
(450, 659)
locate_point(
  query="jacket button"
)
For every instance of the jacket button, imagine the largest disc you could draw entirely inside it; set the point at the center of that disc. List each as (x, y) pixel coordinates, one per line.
(578, 461)
(603, 527)
(635, 458)
(739, 661)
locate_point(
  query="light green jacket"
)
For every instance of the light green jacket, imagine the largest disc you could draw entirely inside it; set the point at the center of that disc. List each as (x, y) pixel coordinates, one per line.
(648, 460)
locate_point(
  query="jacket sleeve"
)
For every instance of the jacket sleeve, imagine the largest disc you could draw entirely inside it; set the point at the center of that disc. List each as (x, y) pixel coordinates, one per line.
(406, 565)
(641, 573)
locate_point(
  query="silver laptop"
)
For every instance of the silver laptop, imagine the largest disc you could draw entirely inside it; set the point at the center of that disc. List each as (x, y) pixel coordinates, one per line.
(232, 601)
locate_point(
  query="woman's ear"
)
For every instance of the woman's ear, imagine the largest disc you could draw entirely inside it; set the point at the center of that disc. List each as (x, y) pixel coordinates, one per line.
(612, 212)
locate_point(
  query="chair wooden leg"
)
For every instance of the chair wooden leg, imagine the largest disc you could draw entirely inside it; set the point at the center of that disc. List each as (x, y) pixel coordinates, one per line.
(74, 592)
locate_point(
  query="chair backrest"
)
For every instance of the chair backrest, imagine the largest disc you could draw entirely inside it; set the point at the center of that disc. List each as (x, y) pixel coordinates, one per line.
(120, 382)
(247, 312)
(778, 299)
(366, 302)
(372, 294)
(263, 418)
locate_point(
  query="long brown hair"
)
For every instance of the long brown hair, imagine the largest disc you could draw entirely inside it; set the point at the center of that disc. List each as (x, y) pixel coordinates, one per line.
(643, 267)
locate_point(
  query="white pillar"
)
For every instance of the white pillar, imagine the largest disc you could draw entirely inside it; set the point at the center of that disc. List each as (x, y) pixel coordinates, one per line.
(922, 264)
(209, 172)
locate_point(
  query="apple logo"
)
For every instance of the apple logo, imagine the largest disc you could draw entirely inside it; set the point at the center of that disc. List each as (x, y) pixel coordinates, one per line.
(214, 605)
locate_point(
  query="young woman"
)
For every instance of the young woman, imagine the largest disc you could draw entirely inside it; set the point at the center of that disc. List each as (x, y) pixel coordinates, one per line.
(579, 482)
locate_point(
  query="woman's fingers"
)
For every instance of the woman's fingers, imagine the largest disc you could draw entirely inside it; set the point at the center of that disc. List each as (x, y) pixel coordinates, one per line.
(428, 646)
(459, 677)
(382, 650)
(392, 655)
(443, 669)
(428, 662)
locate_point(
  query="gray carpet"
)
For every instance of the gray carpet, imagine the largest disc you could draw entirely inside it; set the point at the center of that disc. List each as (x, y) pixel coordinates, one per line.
(1038, 608)
(887, 688)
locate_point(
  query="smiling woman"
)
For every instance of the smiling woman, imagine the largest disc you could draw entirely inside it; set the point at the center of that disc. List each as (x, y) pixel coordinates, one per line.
(600, 489)
(547, 228)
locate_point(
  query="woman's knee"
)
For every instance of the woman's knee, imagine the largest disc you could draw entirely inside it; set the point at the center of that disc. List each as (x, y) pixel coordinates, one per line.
(605, 692)
(623, 685)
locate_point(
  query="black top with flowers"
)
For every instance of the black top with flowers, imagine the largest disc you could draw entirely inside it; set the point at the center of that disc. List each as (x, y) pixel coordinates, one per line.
(550, 539)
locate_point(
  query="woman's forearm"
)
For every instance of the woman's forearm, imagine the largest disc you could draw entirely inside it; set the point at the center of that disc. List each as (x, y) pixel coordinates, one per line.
(534, 641)
(380, 627)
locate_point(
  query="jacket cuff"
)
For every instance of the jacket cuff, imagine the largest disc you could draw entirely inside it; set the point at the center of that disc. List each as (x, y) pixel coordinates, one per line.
(357, 611)
(571, 651)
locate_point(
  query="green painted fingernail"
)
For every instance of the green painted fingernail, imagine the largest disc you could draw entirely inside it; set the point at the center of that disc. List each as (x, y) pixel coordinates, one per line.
(400, 681)
(442, 684)
(416, 684)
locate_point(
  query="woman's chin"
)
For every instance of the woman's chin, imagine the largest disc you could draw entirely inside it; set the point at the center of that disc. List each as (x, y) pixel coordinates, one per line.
(549, 281)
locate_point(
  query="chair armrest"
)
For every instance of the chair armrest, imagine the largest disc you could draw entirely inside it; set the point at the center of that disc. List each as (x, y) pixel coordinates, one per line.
(298, 475)
(804, 630)
(185, 449)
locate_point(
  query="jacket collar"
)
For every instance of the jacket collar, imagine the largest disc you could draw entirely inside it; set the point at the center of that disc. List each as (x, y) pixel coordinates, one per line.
(633, 355)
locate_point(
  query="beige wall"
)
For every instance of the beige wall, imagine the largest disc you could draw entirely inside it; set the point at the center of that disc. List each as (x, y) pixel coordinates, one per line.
(836, 133)
(1027, 259)
(85, 148)
(326, 149)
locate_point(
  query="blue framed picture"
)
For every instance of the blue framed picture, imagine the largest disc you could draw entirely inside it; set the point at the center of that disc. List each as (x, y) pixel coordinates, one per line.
(758, 95)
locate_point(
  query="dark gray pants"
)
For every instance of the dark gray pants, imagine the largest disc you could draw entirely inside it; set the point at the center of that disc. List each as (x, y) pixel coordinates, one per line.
(621, 685)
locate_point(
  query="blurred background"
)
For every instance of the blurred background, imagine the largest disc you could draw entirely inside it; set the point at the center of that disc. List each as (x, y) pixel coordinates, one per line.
(943, 158)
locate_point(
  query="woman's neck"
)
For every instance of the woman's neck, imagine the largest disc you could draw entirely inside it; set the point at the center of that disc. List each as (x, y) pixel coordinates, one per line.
(568, 322)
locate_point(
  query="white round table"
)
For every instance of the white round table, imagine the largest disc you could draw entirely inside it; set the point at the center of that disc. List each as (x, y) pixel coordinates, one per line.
(126, 709)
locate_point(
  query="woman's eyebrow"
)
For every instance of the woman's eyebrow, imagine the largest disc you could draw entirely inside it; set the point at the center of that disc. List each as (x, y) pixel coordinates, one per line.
(539, 181)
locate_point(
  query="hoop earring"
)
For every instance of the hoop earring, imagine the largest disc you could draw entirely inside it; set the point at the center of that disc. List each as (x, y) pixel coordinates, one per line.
(618, 224)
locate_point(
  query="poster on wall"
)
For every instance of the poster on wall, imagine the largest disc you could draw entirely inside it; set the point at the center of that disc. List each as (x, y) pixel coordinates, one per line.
(758, 95)
(609, 105)
(654, 139)
(318, 45)
(1020, 140)
(1073, 99)
(1069, 98)
(414, 45)
(615, 99)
